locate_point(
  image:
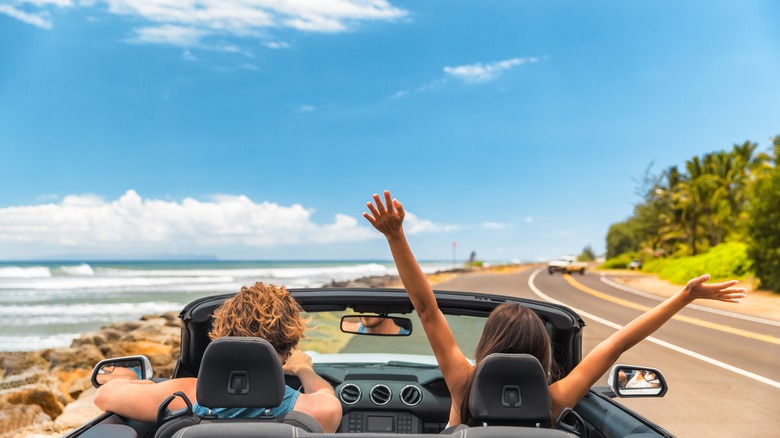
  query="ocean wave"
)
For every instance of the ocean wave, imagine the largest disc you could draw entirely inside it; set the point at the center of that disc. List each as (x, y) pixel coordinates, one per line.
(41, 306)
(107, 283)
(28, 272)
(81, 270)
(36, 342)
(360, 270)
(50, 314)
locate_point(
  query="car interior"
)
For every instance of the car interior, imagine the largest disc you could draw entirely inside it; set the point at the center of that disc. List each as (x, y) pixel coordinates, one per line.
(381, 394)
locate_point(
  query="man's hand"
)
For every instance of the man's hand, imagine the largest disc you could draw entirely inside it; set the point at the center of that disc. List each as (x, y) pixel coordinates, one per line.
(298, 360)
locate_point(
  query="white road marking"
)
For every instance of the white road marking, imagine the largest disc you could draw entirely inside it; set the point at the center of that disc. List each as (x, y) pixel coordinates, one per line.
(691, 306)
(652, 339)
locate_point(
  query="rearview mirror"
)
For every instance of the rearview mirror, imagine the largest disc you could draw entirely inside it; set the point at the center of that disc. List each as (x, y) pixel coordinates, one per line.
(128, 368)
(637, 381)
(377, 325)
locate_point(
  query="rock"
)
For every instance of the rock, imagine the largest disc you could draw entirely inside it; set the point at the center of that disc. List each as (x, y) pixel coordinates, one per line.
(130, 348)
(111, 334)
(80, 411)
(81, 357)
(127, 326)
(155, 332)
(13, 417)
(373, 281)
(17, 362)
(169, 318)
(73, 382)
(93, 338)
(48, 393)
(36, 394)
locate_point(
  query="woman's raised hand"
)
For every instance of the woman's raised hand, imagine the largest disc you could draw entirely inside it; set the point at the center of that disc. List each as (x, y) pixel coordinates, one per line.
(386, 217)
(697, 288)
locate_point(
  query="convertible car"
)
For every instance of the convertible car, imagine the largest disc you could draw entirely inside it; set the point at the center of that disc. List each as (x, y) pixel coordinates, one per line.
(388, 383)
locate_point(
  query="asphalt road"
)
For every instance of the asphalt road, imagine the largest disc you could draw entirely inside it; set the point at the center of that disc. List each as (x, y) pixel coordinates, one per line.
(723, 370)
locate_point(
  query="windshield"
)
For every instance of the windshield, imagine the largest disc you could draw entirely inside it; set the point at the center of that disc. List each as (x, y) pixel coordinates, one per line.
(325, 337)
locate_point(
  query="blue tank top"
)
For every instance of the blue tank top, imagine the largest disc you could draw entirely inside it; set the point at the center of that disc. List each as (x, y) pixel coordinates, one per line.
(290, 397)
(362, 329)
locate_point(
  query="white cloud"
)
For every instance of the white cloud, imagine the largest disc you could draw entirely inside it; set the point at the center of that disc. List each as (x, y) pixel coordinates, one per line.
(529, 219)
(414, 225)
(132, 225)
(480, 73)
(277, 45)
(496, 225)
(169, 35)
(306, 108)
(470, 74)
(183, 23)
(188, 55)
(38, 20)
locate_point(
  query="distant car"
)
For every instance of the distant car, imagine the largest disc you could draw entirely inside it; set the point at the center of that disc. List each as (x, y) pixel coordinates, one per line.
(635, 265)
(391, 384)
(566, 264)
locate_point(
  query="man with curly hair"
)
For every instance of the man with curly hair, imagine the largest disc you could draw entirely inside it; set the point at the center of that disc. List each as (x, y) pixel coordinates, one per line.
(261, 310)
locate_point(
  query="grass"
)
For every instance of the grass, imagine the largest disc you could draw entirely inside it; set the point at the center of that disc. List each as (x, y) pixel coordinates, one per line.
(724, 262)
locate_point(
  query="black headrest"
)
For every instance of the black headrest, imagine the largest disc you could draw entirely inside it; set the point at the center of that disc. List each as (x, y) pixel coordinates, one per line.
(240, 372)
(510, 388)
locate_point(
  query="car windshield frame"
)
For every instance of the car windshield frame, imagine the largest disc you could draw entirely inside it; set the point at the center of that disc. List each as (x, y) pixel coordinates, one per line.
(563, 323)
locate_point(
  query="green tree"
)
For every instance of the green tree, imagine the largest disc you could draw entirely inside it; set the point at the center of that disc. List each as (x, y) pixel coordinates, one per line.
(764, 224)
(622, 237)
(587, 255)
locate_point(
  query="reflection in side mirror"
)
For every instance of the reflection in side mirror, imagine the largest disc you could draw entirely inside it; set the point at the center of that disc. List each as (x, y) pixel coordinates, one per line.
(377, 325)
(637, 381)
(128, 368)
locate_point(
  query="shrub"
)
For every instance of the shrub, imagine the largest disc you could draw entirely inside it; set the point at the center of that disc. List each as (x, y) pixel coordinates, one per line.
(619, 262)
(723, 262)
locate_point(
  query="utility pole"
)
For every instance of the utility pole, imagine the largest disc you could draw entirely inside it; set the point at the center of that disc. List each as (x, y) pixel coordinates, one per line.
(454, 245)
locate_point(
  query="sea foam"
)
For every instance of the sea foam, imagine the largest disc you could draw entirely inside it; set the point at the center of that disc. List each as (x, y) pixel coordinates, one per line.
(26, 272)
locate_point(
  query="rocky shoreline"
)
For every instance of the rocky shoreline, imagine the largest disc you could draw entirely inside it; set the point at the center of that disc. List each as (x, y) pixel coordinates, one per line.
(48, 392)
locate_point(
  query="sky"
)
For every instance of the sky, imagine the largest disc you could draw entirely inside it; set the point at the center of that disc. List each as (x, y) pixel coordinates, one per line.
(259, 129)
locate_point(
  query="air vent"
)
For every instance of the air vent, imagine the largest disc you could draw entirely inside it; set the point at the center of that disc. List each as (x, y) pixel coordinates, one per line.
(350, 394)
(411, 395)
(380, 395)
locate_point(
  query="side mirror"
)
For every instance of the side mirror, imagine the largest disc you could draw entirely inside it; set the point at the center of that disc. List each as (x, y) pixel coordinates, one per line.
(377, 325)
(128, 367)
(637, 381)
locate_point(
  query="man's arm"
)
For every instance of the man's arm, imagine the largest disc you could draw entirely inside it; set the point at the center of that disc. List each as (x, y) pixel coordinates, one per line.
(140, 399)
(319, 400)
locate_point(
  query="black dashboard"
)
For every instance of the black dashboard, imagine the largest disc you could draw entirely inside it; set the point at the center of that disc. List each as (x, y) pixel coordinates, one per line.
(390, 398)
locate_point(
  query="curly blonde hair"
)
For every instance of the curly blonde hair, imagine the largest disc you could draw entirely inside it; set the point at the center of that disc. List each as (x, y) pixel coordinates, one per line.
(264, 310)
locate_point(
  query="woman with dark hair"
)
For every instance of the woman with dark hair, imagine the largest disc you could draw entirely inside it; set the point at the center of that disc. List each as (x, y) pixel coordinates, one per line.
(512, 328)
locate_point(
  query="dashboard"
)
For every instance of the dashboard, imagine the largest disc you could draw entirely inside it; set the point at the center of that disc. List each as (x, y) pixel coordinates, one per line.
(388, 398)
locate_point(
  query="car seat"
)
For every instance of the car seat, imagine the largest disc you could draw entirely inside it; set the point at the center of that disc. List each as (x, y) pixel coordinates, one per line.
(510, 389)
(237, 372)
(509, 397)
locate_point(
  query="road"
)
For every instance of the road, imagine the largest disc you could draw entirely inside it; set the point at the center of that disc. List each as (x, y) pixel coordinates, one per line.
(723, 370)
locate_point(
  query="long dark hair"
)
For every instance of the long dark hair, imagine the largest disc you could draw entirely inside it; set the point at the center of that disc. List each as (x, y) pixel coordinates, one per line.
(510, 328)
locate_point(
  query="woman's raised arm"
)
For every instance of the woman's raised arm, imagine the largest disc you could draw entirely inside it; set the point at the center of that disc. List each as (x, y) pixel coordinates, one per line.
(388, 218)
(569, 390)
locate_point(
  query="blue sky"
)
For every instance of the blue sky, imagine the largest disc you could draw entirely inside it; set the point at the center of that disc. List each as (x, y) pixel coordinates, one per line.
(259, 129)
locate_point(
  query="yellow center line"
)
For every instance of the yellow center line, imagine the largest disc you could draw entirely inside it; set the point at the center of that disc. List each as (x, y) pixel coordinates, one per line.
(689, 320)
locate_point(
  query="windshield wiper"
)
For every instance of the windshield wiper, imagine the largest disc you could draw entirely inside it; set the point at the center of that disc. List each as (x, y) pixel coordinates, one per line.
(400, 363)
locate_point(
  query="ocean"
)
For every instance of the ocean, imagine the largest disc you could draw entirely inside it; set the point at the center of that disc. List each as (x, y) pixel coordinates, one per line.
(44, 305)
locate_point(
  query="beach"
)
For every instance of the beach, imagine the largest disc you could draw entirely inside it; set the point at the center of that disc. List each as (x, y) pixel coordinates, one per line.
(59, 375)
